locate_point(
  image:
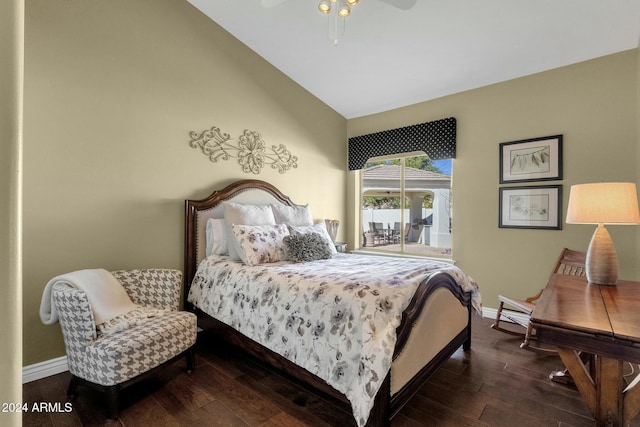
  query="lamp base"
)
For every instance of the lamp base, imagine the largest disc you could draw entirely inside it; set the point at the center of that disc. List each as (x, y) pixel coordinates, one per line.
(602, 261)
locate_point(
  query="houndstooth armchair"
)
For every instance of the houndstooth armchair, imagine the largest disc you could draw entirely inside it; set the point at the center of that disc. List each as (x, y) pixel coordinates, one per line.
(111, 362)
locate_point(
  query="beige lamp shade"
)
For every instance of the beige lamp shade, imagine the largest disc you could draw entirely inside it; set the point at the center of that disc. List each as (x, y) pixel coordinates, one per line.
(603, 203)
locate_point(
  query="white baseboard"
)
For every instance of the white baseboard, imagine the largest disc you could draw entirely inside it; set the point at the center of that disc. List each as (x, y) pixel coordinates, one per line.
(44, 369)
(55, 366)
(489, 313)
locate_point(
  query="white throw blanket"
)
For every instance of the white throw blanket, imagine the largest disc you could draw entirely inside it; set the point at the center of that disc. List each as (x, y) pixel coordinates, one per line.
(107, 296)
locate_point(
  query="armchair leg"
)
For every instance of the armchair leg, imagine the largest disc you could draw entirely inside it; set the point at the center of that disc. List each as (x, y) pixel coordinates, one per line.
(72, 389)
(190, 355)
(113, 394)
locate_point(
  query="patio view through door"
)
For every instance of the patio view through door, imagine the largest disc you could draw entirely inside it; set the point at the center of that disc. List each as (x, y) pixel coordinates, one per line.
(406, 206)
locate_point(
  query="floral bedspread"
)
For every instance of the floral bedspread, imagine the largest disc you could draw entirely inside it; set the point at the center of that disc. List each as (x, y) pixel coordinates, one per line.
(336, 318)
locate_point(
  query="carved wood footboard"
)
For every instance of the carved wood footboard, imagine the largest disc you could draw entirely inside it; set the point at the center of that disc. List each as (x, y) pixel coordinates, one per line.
(386, 405)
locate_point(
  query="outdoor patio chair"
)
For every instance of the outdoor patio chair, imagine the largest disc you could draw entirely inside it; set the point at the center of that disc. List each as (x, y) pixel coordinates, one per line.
(376, 232)
(518, 312)
(395, 233)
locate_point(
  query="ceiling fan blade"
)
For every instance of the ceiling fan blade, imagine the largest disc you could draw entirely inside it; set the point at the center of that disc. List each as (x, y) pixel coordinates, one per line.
(400, 4)
(271, 3)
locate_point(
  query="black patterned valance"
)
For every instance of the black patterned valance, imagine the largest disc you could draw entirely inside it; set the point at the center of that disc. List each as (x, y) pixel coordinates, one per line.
(437, 139)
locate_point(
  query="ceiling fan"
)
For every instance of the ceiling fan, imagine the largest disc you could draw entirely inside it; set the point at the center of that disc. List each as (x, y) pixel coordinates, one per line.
(400, 4)
(339, 11)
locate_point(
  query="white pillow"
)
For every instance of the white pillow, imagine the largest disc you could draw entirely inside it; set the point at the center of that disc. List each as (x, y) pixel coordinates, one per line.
(319, 228)
(216, 237)
(260, 244)
(294, 215)
(235, 213)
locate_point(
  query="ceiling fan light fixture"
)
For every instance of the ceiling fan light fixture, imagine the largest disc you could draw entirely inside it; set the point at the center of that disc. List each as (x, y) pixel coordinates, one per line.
(324, 6)
(344, 11)
(336, 9)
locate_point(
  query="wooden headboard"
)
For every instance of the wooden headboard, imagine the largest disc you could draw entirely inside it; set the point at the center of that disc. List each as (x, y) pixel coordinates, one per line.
(197, 212)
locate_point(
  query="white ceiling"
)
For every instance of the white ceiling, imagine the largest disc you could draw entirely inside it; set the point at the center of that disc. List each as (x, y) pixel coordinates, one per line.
(389, 58)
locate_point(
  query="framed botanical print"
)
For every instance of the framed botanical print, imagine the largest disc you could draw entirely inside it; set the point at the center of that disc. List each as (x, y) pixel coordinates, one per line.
(536, 159)
(531, 207)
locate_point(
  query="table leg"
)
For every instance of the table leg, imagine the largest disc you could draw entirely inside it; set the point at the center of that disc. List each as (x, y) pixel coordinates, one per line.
(631, 403)
(609, 385)
(581, 376)
(564, 376)
(603, 392)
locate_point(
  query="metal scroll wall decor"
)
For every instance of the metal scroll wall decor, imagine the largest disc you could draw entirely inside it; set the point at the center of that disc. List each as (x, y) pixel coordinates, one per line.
(249, 148)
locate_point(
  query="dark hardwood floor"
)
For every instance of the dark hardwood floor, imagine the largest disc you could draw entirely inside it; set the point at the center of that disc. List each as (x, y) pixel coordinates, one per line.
(494, 384)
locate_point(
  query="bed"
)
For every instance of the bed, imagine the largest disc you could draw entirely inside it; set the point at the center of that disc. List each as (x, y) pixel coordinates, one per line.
(323, 321)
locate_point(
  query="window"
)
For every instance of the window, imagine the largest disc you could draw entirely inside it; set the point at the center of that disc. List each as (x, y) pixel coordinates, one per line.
(406, 205)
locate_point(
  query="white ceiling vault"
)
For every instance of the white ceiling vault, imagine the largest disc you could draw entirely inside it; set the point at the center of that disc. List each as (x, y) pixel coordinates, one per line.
(390, 58)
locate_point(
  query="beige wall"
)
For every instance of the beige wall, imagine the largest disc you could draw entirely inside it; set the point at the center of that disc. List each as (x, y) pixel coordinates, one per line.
(593, 104)
(11, 67)
(112, 89)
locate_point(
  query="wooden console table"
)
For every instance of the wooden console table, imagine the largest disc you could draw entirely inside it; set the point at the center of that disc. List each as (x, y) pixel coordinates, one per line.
(601, 320)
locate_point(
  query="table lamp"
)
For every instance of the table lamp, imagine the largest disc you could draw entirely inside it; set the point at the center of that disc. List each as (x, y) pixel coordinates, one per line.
(603, 203)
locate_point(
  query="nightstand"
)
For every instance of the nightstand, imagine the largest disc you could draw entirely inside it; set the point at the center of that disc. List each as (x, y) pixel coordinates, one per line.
(340, 246)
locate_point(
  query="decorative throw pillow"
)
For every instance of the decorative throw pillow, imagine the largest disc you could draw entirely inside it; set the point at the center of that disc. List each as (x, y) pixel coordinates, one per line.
(235, 213)
(306, 247)
(294, 215)
(260, 244)
(319, 228)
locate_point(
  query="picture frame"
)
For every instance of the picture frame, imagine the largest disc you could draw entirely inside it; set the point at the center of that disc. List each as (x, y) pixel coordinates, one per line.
(536, 159)
(538, 207)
